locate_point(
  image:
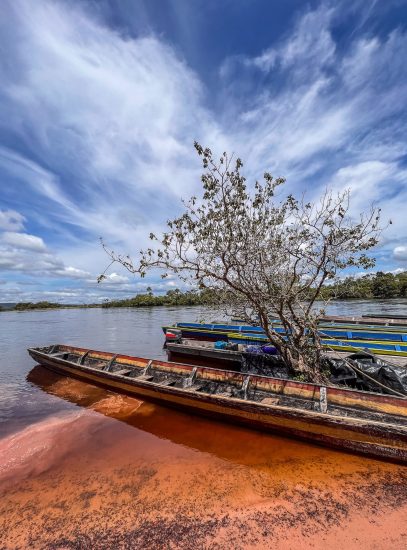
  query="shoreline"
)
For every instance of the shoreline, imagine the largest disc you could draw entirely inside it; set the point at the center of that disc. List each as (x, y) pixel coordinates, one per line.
(148, 305)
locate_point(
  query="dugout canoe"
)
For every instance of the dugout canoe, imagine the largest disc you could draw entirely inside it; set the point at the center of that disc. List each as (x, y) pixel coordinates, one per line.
(351, 420)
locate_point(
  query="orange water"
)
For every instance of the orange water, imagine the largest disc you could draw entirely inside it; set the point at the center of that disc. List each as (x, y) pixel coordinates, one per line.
(115, 472)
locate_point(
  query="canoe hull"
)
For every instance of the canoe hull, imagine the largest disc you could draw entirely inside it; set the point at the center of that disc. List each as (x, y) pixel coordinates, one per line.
(374, 439)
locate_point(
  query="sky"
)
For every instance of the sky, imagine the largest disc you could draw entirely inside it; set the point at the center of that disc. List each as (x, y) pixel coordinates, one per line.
(101, 101)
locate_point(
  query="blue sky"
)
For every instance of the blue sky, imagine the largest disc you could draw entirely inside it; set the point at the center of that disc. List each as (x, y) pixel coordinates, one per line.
(101, 102)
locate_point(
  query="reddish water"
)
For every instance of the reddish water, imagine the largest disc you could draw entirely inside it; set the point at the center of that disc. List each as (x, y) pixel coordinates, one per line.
(84, 468)
(116, 472)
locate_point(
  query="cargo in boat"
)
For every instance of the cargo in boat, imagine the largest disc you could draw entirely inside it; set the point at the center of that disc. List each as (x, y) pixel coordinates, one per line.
(352, 420)
(398, 349)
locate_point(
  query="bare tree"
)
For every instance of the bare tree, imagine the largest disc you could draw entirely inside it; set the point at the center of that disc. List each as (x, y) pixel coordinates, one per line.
(264, 258)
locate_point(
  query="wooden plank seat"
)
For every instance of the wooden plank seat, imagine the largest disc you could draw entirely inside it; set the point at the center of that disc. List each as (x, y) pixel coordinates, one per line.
(99, 365)
(195, 387)
(168, 382)
(145, 377)
(270, 401)
(123, 372)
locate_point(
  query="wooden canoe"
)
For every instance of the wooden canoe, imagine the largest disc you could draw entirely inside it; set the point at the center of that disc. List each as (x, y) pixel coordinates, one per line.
(192, 350)
(362, 422)
(396, 349)
(347, 332)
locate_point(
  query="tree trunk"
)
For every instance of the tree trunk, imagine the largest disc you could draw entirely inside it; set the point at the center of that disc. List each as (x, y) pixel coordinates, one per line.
(303, 358)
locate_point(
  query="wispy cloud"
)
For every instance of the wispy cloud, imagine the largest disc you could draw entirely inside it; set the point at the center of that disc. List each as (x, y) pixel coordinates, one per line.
(98, 128)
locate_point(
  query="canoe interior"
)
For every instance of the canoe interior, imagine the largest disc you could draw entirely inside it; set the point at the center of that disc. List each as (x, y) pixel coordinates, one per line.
(222, 383)
(387, 348)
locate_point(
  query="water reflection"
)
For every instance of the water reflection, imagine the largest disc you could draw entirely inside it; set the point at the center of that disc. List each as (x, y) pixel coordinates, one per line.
(230, 442)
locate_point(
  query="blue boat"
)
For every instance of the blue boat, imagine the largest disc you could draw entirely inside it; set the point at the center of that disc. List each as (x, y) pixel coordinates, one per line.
(217, 331)
(384, 348)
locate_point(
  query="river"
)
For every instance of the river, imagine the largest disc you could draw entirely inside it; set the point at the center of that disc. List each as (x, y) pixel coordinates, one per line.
(81, 467)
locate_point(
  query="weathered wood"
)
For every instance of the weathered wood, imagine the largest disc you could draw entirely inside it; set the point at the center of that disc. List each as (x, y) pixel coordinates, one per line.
(359, 421)
(365, 320)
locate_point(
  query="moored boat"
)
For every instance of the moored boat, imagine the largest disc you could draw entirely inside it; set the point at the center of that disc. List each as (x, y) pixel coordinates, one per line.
(358, 421)
(386, 320)
(208, 331)
(186, 350)
(397, 349)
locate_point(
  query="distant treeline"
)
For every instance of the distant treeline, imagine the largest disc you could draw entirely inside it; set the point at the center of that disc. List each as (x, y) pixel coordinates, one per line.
(23, 306)
(378, 285)
(171, 298)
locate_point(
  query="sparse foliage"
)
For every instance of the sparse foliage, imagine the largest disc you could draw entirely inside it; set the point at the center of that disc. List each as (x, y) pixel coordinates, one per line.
(266, 258)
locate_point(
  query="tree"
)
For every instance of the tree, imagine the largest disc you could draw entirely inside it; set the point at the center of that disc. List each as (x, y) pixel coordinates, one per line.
(402, 284)
(385, 285)
(264, 257)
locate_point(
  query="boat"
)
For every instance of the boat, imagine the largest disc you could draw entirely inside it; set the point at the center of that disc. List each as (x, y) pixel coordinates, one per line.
(397, 349)
(367, 319)
(329, 339)
(191, 350)
(397, 317)
(202, 352)
(207, 331)
(363, 422)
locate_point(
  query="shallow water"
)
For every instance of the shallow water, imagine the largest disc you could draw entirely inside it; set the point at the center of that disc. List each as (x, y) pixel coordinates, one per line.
(81, 467)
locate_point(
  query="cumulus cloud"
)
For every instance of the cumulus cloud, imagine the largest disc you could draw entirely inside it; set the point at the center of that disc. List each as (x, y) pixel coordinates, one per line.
(28, 254)
(115, 278)
(22, 260)
(23, 241)
(72, 273)
(400, 253)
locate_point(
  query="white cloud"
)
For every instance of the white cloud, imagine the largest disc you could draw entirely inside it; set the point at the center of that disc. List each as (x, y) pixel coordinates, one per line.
(10, 220)
(115, 278)
(28, 254)
(400, 253)
(313, 104)
(121, 114)
(317, 48)
(40, 180)
(72, 273)
(23, 241)
(28, 261)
